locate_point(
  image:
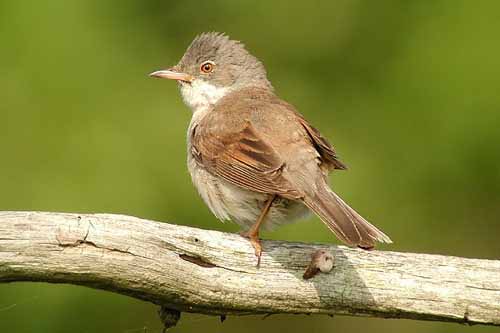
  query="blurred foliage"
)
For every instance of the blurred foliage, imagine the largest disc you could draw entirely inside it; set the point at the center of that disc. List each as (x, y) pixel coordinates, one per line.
(408, 91)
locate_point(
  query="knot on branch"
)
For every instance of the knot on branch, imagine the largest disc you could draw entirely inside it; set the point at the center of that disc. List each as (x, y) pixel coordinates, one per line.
(168, 317)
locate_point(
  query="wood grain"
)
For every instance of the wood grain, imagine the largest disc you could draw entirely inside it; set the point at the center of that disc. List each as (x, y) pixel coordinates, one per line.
(211, 272)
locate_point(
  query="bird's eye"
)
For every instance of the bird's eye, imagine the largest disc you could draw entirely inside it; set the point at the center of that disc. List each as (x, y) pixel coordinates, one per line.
(207, 67)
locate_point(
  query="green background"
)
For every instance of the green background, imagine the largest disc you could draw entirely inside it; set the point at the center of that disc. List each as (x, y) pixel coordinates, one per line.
(407, 91)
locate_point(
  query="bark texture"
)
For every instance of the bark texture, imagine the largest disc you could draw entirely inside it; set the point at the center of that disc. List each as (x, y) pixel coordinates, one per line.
(210, 272)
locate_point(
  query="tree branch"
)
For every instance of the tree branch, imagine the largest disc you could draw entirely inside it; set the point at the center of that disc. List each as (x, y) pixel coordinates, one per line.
(210, 272)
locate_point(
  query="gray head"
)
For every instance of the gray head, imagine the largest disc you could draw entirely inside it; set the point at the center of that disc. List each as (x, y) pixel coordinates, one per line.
(212, 66)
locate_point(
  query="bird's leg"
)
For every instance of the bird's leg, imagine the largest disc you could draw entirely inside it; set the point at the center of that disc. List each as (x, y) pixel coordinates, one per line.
(253, 232)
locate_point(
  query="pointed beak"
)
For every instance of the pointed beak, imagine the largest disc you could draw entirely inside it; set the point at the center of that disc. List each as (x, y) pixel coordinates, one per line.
(172, 75)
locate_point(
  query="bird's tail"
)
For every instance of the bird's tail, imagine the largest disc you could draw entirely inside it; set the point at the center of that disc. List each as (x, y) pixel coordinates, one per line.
(343, 221)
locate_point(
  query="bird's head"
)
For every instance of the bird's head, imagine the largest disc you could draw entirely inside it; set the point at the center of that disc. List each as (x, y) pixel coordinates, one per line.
(212, 66)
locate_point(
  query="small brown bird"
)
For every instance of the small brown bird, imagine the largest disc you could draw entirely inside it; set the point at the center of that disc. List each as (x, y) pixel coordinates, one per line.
(252, 157)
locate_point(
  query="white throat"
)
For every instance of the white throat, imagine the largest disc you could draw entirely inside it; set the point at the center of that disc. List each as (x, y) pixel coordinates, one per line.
(200, 95)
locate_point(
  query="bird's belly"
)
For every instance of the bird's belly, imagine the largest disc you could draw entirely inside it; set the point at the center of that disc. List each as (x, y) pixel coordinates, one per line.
(231, 202)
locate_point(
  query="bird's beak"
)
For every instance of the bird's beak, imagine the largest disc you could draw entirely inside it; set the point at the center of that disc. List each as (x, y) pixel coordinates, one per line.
(172, 75)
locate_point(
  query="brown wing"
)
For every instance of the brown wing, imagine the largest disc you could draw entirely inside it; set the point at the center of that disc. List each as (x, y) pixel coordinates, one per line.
(243, 158)
(324, 148)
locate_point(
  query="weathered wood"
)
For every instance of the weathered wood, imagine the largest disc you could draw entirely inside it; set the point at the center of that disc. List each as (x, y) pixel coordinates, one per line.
(204, 271)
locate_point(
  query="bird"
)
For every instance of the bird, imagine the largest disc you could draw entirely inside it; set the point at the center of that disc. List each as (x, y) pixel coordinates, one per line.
(253, 158)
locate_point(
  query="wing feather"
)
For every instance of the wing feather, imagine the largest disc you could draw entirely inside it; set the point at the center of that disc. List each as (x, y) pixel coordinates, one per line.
(324, 148)
(243, 158)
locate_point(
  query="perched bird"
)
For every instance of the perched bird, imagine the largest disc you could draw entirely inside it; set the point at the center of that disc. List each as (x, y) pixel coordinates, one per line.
(252, 157)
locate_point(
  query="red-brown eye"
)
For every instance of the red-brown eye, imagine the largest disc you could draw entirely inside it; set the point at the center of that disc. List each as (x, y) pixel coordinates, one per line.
(207, 67)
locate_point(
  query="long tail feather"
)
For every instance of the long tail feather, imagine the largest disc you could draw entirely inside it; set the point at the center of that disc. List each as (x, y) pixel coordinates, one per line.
(343, 221)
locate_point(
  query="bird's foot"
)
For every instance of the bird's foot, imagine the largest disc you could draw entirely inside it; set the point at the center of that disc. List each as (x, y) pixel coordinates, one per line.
(255, 241)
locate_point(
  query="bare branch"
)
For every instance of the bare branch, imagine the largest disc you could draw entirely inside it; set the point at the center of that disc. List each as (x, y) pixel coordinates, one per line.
(210, 272)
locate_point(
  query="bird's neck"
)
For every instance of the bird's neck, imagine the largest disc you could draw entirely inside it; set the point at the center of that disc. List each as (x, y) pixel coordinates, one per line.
(200, 95)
